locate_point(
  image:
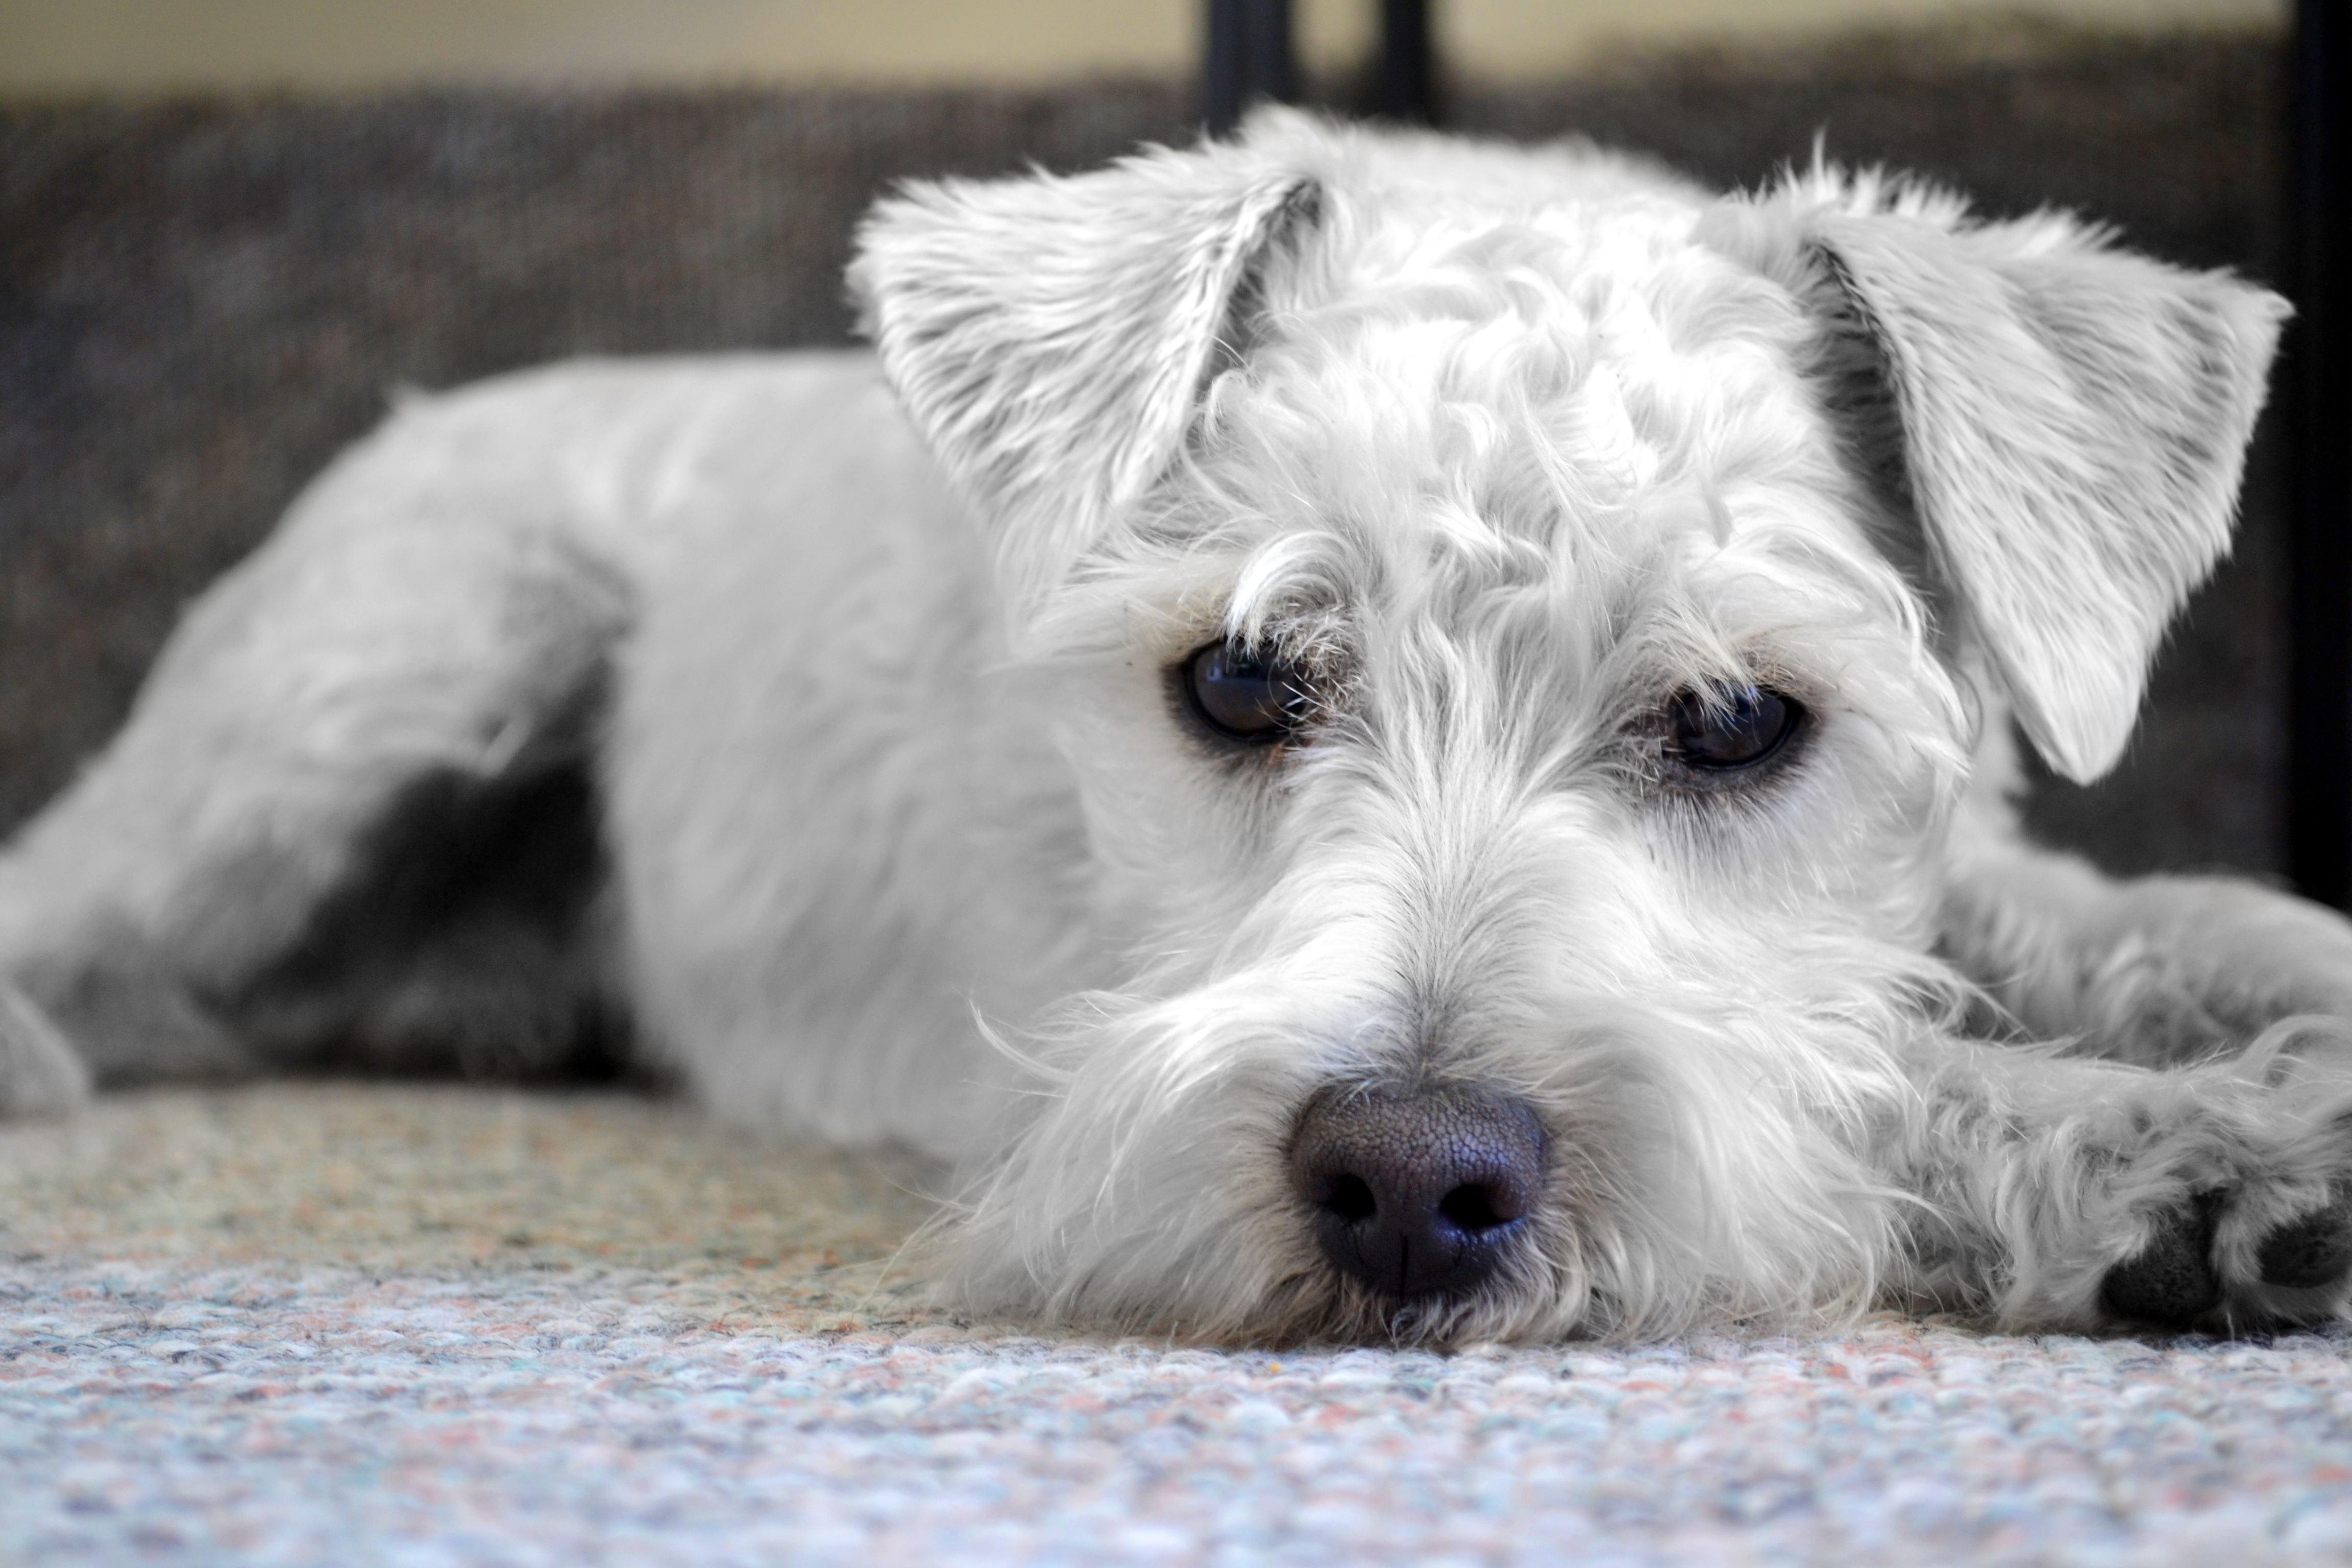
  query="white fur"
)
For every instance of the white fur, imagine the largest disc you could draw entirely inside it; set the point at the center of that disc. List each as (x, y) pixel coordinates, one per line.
(1510, 448)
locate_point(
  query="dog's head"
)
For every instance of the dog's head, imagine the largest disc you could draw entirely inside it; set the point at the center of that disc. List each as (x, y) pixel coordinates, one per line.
(1521, 627)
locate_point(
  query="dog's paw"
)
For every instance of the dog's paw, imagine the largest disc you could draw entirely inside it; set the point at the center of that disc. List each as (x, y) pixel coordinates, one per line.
(2171, 1281)
(2191, 1274)
(2310, 1252)
(2239, 1216)
(40, 1073)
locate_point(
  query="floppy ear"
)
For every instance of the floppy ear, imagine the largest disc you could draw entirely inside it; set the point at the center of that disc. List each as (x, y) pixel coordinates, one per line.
(2073, 420)
(1050, 336)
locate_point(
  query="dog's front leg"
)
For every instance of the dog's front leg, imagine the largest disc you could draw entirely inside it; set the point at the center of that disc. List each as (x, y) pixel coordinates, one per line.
(2063, 1192)
(2159, 971)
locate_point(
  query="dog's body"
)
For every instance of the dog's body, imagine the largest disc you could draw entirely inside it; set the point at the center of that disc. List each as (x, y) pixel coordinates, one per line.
(1399, 738)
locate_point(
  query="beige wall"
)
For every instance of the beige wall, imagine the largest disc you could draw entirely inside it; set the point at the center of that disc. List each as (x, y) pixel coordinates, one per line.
(147, 44)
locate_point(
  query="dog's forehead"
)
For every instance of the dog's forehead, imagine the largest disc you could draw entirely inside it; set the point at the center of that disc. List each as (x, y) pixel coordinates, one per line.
(1547, 372)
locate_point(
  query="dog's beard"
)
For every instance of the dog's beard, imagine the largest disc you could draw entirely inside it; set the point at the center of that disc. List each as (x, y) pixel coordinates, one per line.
(1696, 1169)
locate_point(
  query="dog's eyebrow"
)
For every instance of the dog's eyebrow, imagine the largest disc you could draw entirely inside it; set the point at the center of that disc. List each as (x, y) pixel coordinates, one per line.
(1316, 568)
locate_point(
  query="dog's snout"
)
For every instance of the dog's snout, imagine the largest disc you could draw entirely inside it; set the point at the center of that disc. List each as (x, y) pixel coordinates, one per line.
(1418, 1195)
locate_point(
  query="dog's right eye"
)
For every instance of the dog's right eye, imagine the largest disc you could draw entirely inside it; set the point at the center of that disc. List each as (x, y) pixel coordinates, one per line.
(1730, 732)
(1244, 695)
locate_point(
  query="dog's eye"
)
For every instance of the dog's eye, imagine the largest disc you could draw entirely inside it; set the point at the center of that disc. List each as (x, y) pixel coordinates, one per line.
(1731, 731)
(1246, 695)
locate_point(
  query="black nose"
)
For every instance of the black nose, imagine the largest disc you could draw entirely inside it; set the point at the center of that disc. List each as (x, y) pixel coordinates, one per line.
(1418, 1195)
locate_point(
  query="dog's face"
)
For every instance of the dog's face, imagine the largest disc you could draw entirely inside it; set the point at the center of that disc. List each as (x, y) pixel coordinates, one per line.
(1519, 713)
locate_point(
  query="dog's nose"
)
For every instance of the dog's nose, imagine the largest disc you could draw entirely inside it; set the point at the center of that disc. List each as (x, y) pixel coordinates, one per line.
(1418, 1195)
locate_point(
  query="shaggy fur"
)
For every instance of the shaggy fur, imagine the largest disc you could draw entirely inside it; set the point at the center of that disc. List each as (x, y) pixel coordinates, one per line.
(1515, 459)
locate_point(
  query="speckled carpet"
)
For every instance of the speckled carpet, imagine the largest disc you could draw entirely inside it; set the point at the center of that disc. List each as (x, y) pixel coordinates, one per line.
(368, 1324)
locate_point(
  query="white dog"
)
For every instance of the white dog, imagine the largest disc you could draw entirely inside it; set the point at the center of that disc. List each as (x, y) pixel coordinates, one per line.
(1384, 737)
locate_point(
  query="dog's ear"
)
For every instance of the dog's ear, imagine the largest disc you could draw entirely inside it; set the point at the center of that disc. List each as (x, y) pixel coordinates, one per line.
(1050, 337)
(2073, 423)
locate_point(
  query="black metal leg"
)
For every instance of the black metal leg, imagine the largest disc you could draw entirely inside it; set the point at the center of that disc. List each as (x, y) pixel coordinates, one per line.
(1406, 85)
(2317, 391)
(1249, 58)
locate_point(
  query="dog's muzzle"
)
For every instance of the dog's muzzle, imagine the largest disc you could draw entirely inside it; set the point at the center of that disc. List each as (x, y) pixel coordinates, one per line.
(1418, 1195)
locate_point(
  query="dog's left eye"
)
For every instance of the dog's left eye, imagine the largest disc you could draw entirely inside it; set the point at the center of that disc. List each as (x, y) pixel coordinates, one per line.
(1728, 731)
(1246, 695)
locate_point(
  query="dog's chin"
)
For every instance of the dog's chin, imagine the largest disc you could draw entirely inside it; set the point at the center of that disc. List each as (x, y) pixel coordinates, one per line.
(1312, 1305)
(1512, 1310)
(1257, 1278)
